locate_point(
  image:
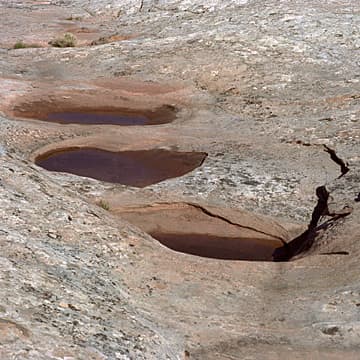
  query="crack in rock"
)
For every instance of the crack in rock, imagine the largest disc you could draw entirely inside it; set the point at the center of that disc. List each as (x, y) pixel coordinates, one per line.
(344, 168)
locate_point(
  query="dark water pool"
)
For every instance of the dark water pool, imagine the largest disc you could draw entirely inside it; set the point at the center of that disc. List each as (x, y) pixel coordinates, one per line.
(97, 118)
(63, 114)
(219, 247)
(134, 168)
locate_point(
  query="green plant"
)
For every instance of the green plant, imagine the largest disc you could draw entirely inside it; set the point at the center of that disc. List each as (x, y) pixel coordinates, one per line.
(73, 18)
(21, 45)
(67, 40)
(104, 204)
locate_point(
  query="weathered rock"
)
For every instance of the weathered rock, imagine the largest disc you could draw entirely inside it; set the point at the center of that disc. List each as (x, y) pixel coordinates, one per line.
(258, 85)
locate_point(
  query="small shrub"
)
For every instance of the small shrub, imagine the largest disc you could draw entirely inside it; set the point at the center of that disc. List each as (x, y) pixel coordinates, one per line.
(108, 39)
(67, 40)
(73, 18)
(104, 204)
(21, 45)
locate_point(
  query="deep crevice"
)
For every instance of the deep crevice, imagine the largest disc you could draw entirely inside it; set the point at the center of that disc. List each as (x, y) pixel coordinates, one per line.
(335, 253)
(344, 168)
(305, 241)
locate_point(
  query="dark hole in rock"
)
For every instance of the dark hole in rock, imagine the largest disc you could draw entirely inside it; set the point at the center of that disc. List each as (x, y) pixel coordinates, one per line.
(107, 116)
(135, 168)
(207, 231)
(219, 247)
(335, 253)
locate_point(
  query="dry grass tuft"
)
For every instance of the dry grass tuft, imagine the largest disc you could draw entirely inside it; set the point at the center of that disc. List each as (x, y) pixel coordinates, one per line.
(21, 45)
(104, 204)
(67, 40)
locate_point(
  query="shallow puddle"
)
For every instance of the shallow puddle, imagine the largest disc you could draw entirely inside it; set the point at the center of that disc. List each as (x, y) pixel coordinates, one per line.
(97, 118)
(219, 247)
(134, 168)
(196, 230)
(124, 117)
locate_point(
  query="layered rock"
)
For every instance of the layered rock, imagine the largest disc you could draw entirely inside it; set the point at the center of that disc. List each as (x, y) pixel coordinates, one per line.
(260, 86)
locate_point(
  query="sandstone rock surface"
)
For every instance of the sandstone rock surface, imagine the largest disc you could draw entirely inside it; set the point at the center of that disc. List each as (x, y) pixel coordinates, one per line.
(260, 86)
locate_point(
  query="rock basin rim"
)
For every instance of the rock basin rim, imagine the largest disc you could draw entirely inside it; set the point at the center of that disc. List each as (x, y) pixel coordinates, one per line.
(138, 168)
(260, 86)
(62, 114)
